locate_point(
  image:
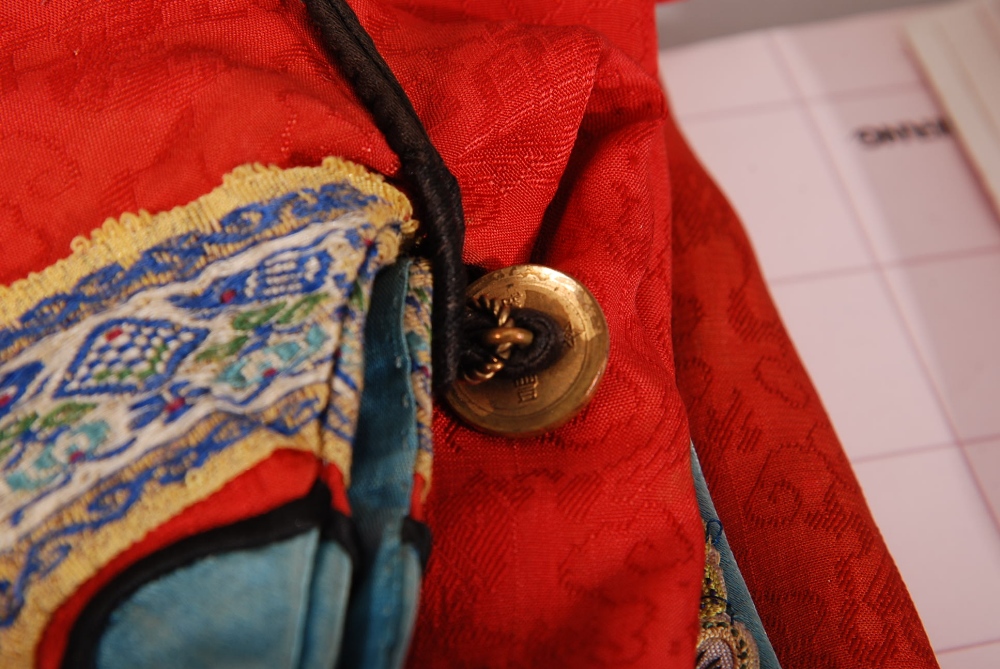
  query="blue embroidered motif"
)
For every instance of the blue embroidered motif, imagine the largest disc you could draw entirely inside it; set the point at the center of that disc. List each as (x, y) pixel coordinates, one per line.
(115, 496)
(258, 365)
(182, 257)
(14, 384)
(65, 447)
(110, 410)
(39, 453)
(283, 273)
(172, 404)
(128, 355)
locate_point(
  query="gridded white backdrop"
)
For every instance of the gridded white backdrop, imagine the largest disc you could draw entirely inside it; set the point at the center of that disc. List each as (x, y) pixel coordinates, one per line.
(883, 255)
(684, 21)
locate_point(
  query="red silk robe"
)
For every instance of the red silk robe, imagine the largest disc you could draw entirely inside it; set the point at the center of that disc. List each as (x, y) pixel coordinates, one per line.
(580, 548)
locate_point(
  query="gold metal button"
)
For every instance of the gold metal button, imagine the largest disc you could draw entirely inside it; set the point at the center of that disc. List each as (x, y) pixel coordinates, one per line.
(543, 401)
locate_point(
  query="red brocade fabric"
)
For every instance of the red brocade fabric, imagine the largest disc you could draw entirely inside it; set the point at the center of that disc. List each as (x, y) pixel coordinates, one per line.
(827, 590)
(583, 547)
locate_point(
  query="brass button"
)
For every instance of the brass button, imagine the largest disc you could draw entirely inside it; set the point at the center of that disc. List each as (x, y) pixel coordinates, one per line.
(543, 401)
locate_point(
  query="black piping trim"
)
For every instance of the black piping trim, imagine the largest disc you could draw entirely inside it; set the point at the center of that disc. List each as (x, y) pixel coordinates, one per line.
(435, 189)
(286, 521)
(341, 528)
(419, 535)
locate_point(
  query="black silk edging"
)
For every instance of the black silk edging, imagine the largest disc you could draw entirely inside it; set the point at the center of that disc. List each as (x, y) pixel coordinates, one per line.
(418, 535)
(297, 517)
(435, 189)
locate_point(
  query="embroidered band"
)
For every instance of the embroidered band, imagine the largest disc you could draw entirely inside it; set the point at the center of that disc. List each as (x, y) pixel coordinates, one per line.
(171, 352)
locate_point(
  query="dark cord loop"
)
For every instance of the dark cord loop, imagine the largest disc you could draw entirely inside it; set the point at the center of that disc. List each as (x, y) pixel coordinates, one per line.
(457, 341)
(545, 349)
(438, 199)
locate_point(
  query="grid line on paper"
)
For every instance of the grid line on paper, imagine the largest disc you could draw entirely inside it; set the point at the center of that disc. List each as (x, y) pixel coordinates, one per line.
(774, 105)
(968, 646)
(914, 261)
(833, 180)
(911, 337)
(904, 452)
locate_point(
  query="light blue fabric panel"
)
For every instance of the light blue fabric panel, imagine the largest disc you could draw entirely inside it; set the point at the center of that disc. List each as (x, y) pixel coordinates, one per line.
(409, 591)
(383, 609)
(324, 628)
(244, 609)
(740, 602)
(385, 445)
(285, 604)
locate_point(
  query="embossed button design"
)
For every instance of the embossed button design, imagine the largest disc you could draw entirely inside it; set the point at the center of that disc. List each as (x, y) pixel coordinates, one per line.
(541, 402)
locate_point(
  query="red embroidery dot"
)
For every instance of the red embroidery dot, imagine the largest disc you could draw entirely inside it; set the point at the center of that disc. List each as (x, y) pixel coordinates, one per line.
(268, 373)
(113, 333)
(75, 456)
(5, 400)
(175, 405)
(228, 296)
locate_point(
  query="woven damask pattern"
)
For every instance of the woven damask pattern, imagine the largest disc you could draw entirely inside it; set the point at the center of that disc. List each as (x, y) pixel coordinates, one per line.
(823, 582)
(582, 548)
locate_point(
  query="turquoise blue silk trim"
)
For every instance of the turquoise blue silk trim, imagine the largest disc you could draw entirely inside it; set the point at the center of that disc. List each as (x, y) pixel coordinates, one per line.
(383, 609)
(324, 628)
(740, 603)
(241, 610)
(285, 605)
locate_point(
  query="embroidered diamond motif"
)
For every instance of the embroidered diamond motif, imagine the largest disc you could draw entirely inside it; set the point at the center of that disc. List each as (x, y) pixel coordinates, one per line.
(285, 273)
(129, 355)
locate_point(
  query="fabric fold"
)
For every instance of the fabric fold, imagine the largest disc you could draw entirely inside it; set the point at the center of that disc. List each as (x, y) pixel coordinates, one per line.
(580, 548)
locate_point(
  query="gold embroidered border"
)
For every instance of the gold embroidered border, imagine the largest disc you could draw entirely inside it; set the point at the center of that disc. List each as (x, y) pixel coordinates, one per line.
(416, 319)
(424, 466)
(722, 641)
(123, 240)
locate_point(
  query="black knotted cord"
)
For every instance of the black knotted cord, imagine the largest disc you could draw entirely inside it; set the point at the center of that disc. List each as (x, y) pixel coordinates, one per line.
(456, 330)
(544, 350)
(434, 187)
